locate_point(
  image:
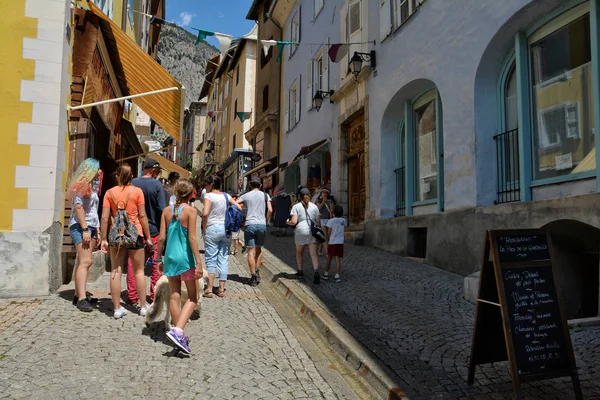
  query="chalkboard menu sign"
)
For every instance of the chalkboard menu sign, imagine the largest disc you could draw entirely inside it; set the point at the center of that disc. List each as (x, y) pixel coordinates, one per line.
(519, 315)
(518, 248)
(534, 313)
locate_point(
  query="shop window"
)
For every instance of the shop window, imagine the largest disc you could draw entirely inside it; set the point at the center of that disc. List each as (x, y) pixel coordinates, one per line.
(561, 95)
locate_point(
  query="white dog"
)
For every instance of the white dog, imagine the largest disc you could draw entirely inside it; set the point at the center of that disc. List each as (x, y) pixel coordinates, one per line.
(162, 294)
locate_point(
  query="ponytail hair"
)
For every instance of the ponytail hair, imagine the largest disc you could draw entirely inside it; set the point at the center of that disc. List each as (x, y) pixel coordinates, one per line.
(183, 190)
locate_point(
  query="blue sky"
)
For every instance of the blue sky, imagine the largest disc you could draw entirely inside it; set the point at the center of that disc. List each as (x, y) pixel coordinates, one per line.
(225, 16)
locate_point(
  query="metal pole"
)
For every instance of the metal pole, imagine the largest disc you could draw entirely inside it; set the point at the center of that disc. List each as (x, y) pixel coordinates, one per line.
(133, 96)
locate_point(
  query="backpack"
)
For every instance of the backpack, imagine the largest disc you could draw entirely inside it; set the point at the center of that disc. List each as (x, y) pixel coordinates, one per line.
(233, 217)
(123, 233)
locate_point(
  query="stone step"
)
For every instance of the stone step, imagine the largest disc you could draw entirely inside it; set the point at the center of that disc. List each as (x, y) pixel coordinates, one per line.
(356, 238)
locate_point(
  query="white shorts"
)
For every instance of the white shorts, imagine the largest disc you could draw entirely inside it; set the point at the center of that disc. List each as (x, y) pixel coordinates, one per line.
(303, 239)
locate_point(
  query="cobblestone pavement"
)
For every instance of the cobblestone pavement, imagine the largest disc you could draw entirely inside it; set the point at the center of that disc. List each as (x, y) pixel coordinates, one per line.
(414, 318)
(242, 349)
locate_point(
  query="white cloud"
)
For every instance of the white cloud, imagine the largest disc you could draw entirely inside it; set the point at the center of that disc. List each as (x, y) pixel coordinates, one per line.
(221, 15)
(186, 18)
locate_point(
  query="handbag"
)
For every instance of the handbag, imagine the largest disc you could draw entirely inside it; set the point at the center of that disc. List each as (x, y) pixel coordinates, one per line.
(315, 230)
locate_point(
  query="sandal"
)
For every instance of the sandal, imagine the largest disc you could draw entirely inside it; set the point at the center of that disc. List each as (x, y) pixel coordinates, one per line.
(207, 294)
(221, 293)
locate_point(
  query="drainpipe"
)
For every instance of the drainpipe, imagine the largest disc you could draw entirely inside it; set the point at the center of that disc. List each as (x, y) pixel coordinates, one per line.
(270, 13)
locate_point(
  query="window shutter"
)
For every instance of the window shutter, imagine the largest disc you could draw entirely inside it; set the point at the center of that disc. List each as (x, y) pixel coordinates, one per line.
(309, 84)
(297, 105)
(385, 19)
(354, 17)
(286, 117)
(325, 69)
(299, 23)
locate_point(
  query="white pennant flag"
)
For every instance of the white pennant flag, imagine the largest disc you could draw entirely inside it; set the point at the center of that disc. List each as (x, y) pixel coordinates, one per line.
(267, 44)
(224, 43)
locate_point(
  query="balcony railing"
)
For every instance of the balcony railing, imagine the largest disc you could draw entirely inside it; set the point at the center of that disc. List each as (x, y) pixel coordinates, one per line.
(400, 192)
(507, 167)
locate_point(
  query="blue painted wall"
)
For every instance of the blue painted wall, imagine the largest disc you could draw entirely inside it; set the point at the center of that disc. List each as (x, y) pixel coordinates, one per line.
(459, 47)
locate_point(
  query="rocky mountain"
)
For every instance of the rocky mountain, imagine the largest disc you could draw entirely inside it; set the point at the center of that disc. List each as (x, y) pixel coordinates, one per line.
(179, 55)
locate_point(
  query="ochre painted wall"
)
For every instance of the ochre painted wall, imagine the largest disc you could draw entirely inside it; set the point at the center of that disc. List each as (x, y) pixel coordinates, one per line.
(13, 68)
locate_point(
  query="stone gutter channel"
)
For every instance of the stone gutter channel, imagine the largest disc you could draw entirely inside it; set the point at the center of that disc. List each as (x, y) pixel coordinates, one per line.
(366, 366)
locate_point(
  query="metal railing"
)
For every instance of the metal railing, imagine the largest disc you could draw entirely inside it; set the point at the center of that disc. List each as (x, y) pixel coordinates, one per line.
(400, 192)
(507, 167)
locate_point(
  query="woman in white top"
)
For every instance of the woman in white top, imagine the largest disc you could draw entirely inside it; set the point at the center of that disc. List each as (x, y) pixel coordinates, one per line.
(215, 239)
(303, 213)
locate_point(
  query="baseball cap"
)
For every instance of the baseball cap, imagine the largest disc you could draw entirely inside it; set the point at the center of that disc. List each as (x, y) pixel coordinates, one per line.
(304, 192)
(255, 179)
(151, 163)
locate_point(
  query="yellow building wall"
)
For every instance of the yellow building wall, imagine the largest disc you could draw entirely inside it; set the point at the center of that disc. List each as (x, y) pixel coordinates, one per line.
(13, 68)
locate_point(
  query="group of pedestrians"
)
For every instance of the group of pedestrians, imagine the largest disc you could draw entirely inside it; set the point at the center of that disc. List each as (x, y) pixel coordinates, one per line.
(303, 217)
(147, 224)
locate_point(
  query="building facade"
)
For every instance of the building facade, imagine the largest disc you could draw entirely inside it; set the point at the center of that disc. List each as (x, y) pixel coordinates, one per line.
(308, 140)
(263, 135)
(487, 121)
(35, 86)
(194, 126)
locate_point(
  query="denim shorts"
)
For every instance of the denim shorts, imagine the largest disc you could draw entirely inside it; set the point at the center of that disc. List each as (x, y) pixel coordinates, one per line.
(254, 235)
(76, 233)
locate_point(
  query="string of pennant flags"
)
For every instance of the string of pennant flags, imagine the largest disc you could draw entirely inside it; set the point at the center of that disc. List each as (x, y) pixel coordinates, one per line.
(336, 51)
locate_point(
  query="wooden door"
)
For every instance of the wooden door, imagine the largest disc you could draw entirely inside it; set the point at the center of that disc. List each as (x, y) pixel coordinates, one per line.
(356, 170)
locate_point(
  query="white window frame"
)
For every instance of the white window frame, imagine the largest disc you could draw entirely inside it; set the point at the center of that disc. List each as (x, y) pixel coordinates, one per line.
(319, 5)
(543, 131)
(295, 31)
(226, 88)
(225, 115)
(397, 18)
(294, 110)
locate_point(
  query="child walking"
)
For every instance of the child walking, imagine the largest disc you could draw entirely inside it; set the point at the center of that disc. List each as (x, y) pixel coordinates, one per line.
(335, 232)
(182, 260)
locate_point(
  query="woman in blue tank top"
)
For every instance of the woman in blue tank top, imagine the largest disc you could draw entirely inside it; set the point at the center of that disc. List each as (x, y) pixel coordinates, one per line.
(182, 260)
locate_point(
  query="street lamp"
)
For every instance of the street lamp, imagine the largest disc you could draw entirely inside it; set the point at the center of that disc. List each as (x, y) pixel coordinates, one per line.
(358, 58)
(319, 96)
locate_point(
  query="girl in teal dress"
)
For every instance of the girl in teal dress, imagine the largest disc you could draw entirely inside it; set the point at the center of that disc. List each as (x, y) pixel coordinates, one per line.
(182, 260)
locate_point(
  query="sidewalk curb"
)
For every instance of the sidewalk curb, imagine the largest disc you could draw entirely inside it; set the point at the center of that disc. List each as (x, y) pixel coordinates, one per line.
(365, 364)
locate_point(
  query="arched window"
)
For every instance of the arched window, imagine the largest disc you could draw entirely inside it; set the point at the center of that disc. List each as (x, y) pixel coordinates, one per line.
(425, 147)
(511, 117)
(561, 96)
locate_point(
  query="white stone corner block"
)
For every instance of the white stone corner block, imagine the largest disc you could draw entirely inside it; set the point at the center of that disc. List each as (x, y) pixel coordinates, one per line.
(47, 10)
(36, 134)
(35, 177)
(42, 50)
(32, 220)
(43, 156)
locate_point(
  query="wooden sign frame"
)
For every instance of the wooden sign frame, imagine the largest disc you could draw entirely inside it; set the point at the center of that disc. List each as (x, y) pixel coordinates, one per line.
(493, 330)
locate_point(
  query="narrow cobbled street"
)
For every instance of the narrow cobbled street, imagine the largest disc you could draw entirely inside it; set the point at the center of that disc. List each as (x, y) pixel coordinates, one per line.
(414, 318)
(241, 349)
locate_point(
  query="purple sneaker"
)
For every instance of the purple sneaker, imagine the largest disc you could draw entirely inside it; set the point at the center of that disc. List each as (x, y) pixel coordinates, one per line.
(179, 340)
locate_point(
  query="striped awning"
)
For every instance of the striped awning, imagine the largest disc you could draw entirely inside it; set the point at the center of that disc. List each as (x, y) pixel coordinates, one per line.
(137, 73)
(170, 166)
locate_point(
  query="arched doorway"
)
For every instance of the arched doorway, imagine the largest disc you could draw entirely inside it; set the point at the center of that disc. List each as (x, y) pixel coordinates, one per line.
(577, 247)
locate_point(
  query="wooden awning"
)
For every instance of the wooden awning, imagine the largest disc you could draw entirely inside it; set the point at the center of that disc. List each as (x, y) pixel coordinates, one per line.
(170, 166)
(138, 73)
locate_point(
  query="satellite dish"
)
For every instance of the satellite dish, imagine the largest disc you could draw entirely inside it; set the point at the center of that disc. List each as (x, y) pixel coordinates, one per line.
(255, 157)
(208, 158)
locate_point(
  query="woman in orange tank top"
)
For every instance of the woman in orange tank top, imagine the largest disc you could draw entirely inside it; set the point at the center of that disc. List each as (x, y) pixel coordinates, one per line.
(133, 200)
